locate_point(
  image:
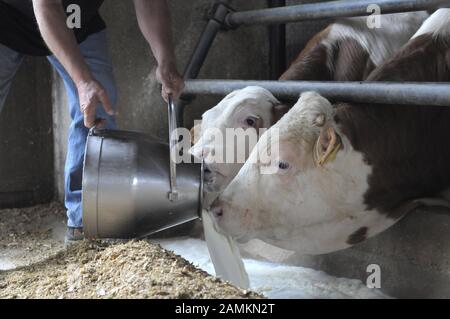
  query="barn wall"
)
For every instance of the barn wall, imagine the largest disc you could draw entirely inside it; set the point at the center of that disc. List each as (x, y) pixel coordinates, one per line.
(26, 144)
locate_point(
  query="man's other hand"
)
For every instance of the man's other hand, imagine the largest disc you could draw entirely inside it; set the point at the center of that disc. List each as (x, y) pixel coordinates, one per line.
(172, 82)
(91, 94)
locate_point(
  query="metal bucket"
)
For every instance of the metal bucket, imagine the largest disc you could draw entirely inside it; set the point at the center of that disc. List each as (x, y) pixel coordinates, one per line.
(132, 188)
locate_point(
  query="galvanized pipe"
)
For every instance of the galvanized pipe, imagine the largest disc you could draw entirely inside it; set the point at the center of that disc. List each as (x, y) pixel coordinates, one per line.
(332, 9)
(212, 28)
(214, 25)
(437, 94)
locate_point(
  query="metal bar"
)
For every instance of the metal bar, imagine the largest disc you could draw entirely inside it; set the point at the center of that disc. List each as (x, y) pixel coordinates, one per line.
(214, 25)
(277, 44)
(330, 9)
(173, 139)
(206, 40)
(437, 94)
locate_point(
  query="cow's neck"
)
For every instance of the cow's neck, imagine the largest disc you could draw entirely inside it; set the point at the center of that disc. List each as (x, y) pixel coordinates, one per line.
(424, 59)
(343, 181)
(406, 147)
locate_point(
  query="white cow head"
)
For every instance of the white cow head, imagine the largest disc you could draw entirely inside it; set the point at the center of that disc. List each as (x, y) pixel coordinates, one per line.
(250, 109)
(313, 203)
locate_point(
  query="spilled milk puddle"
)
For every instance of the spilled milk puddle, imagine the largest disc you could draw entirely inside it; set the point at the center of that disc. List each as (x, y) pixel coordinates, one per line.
(6, 264)
(275, 280)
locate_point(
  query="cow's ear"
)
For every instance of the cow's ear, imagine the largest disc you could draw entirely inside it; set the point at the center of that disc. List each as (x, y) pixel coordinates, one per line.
(278, 111)
(327, 146)
(196, 133)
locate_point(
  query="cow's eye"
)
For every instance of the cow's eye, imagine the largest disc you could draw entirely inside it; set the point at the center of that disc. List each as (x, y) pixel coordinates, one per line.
(250, 121)
(283, 165)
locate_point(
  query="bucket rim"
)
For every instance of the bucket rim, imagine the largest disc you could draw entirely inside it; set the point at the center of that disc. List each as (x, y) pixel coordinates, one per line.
(89, 189)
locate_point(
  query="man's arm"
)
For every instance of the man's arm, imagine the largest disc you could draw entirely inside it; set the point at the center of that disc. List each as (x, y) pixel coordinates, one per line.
(61, 41)
(154, 21)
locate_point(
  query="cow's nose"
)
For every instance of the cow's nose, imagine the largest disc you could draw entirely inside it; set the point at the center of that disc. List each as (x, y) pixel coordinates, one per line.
(217, 209)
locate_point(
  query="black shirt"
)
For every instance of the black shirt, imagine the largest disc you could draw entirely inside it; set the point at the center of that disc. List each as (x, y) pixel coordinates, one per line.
(19, 30)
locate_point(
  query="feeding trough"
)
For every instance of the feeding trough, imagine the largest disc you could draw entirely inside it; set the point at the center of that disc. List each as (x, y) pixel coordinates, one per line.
(132, 187)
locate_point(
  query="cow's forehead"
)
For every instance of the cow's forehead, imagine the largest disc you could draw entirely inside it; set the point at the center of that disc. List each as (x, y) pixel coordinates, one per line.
(250, 96)
(299, 122)
(297, 126)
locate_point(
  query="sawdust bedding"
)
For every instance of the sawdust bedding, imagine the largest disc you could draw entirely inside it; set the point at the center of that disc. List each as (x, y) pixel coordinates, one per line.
(135, 269)
(29, 235)
(107, 269)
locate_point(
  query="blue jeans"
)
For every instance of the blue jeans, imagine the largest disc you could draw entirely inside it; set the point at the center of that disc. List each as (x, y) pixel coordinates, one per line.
(95, 52)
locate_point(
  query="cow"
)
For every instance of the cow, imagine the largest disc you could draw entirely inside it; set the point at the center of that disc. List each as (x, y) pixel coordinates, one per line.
(348, 171)
(347, 50)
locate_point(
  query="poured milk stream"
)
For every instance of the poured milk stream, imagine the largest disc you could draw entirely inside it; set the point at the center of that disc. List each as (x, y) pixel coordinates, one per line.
(225, 254)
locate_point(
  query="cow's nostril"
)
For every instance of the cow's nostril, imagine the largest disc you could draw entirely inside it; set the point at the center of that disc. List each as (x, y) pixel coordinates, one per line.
(217, 211)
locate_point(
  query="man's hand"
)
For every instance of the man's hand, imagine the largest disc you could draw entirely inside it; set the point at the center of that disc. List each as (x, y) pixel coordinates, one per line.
(91, 94)
(154, 21)
(51, 18)
(172, 82)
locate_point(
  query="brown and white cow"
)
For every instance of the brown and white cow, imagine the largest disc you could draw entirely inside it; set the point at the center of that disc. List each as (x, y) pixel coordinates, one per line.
(346, 172)
(347, 50)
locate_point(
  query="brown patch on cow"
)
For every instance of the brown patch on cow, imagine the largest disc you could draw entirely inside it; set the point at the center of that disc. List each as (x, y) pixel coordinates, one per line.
(351, 61)
(423, 59)
(358, 236)
(406, 145)
(347, 60)
(311, 63)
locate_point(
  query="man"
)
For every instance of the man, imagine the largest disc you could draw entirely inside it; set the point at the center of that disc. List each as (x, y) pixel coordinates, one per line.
(80, 56)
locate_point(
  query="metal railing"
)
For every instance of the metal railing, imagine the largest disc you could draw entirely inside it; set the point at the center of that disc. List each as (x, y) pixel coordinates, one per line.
(436, 94)
(324, 10)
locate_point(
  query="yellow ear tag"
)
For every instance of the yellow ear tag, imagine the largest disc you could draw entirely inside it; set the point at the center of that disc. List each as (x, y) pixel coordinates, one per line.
(330, 157)
(327, 157)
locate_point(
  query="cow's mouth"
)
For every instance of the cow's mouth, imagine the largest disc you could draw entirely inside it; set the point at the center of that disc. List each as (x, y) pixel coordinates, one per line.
(240, 238)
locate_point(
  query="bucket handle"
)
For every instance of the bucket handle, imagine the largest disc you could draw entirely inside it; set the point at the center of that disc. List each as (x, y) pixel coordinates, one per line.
(173, 140)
